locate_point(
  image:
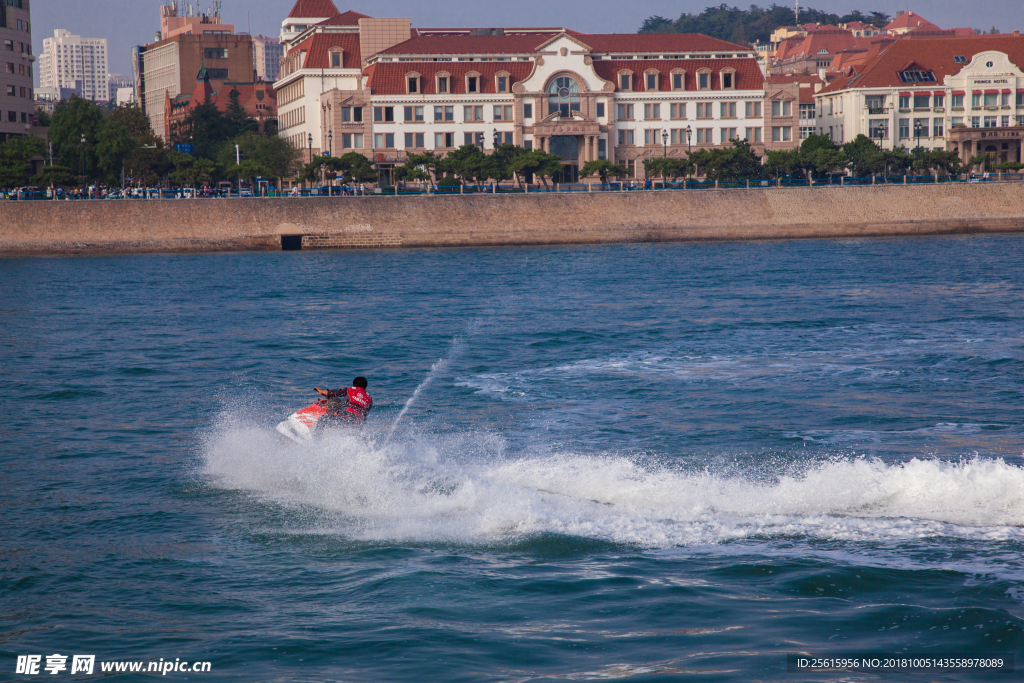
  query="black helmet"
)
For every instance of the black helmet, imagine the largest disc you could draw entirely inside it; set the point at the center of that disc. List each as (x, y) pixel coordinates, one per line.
(359, 382)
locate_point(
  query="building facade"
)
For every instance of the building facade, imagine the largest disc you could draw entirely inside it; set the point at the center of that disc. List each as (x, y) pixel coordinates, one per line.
(17, 98)
(624, 98)
(257, 98)
(267, 53)
(963, 94)
(68, 59)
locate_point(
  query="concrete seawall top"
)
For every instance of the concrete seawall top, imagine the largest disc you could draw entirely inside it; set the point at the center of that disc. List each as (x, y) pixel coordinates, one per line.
(126, 226)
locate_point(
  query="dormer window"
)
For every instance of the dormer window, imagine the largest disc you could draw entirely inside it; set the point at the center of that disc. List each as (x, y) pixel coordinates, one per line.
(917, 76)
(651, 81)
(678, 80)
(625, 80)
(473, 82)
(442, 83)
(728, 79)
(960, 59)
(704, 79)
(412, 83)
(501, 82)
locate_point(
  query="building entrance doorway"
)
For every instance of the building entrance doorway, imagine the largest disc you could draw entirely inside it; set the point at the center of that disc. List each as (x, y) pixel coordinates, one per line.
(566, 146)
(570, 173)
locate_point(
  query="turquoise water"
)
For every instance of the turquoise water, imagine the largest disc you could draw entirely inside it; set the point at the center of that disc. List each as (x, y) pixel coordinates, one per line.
(650, 462)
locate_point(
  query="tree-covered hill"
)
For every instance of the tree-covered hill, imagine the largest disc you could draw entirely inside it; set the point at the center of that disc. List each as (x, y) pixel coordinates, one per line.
(752, 25)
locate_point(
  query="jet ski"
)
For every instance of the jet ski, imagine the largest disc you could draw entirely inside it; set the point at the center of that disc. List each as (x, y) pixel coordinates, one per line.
(301, 425)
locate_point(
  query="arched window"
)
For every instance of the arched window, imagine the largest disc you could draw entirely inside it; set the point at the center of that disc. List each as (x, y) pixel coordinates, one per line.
(564, 96)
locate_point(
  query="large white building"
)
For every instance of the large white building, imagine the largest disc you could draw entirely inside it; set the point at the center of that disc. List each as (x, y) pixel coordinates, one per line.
(958, 93)
(267, 53)
(353, 83)
(68, 59)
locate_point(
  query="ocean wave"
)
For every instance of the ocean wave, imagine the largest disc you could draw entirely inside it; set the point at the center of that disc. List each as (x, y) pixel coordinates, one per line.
(466, 488)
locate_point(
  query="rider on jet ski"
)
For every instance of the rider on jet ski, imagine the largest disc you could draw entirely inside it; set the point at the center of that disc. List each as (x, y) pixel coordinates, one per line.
(349, 405)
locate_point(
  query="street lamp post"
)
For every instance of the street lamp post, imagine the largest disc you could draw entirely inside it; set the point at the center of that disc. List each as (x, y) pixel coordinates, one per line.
(688, 134)
(83, 158)
(917, 132)
(330, 143)
(664, 144)
(310, 142)
(495, 138)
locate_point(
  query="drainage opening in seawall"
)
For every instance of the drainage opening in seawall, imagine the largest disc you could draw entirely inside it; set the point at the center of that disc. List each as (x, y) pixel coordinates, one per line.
(291, 242)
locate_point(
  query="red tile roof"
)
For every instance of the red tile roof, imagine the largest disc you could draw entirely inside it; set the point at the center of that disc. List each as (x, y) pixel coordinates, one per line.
(309, 9)
(454, 44)
(657, 42)
(748, 73)
(461, 44)
(831, 39)
(910, 20)
(388, 78)
(317, 48)
(935, 55)
(348, 18)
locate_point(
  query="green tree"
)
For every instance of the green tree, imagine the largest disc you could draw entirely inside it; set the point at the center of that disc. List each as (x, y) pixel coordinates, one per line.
(468, 163)
(113, 147)
(603, 168)
(73, 119)
(205, 128)
(864, 156)
(272, 152)
(15, 159)
(734, 163)
(782, 163)
(192, 171)
(237, 119)
(54, 176)
(427, 160)
(537, 162)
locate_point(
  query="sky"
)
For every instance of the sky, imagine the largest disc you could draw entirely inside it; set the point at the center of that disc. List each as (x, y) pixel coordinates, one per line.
(125, 23)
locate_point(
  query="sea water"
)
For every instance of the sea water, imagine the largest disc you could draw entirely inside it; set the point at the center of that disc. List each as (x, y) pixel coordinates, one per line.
(647, 462)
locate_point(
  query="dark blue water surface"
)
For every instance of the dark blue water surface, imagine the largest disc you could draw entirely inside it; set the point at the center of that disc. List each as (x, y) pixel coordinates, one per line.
(650, 462)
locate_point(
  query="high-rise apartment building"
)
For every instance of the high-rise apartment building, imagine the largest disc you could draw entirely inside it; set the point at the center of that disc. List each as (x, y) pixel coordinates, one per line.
(267, 53)
(17, 101)
(67, 59)
(185, 45)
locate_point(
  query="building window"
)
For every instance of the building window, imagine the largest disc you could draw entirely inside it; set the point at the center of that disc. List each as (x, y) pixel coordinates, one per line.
(444, 113)
(652, 81)
(1004, 99)
(956, 121)
(624, 111)
(414, 113)
(625, 137)
(782, 108)
(12, 91)
(10, 67)
(878, 129)
(677, 81)
(444, 139)
(624, 81)
(728, 110)
(501, 84)
(442, 84)
(503, 112)
(754, 134)
(472, 84)
(1005, 121)
(917, 76)
(990, 121)
(728, 134)
(563, 97)
(414, 140)
(602, 148)
(527, 145)
(351, 115)
(9, 45)
(704, 110)
(218, 74)
(386, 140)
(352, 140)
(527, 111)
(677, 111)
(215, 53)
(939, 101)
(937, 131)
(335, 60)
(921, 128)
(473, 113)
(383, 115)
(413, 84)
(781, 133)
(921, 101)
(652, 111)
(1020, 99)
(904, 128)
(975, 122)
(807, 112)
(600, 109)
(976, 100)
(728, 80)
(508, 137)
(958, 100)
(752, 110)
(704, 80)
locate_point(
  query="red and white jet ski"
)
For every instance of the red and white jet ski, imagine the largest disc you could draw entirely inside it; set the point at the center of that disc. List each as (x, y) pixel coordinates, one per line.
(299, 426)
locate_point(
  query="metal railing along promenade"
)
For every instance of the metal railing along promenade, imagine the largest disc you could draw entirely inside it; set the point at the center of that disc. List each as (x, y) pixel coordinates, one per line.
(161, 194)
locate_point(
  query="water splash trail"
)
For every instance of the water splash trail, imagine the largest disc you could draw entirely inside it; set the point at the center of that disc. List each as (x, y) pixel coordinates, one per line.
(436, 369)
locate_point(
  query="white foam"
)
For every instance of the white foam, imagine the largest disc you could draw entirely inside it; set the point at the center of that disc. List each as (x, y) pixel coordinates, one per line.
(466, 488)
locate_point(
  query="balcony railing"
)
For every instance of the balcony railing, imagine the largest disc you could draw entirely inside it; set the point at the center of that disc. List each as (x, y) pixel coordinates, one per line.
(876, 111)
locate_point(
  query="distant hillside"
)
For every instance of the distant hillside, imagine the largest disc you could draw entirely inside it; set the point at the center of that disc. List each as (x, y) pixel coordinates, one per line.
(752, 25)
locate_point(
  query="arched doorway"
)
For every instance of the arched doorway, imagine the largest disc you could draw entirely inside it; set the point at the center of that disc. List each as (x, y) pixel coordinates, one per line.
(567, 147)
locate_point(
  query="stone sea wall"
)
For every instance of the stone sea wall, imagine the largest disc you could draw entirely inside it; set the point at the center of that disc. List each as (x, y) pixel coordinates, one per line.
(125, 226)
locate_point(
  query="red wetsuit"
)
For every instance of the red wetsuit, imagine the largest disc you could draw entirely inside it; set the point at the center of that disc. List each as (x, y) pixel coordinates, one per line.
(359, 401)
